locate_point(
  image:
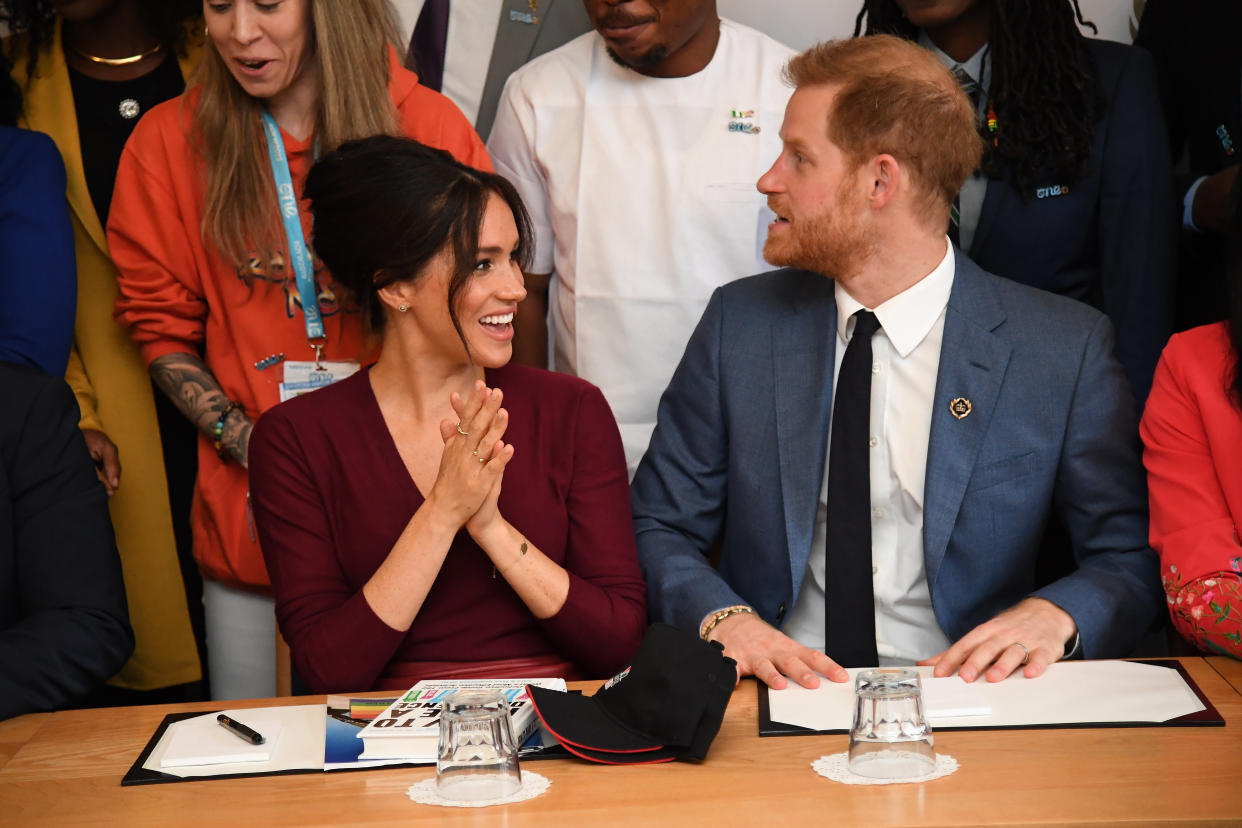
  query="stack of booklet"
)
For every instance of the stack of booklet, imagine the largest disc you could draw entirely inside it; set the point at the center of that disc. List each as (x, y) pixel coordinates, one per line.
(409, 728)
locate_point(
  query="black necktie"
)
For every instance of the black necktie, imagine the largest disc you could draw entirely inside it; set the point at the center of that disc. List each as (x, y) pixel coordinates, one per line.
(428, 42)
(973, 92)
(850, 603)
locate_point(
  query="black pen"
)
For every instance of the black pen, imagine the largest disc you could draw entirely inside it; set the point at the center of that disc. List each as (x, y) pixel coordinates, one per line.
(239, 730)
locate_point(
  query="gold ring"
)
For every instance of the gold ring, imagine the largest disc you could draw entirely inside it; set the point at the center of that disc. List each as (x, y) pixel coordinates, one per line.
(462, 431)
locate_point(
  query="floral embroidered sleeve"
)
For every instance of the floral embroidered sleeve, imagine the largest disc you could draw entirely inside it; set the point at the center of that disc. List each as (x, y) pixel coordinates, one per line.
(1208, 610)
(1190, 450)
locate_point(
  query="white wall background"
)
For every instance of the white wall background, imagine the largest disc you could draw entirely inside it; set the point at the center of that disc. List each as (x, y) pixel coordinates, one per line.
(800, 23)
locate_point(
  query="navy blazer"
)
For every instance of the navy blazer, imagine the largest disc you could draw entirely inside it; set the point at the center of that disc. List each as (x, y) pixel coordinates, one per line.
(742, 432)
(38, 268)
(1109, 239)
(1195, 44)
(64, 623)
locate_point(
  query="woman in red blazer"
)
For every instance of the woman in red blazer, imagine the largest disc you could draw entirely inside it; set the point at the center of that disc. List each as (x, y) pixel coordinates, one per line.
(1192, 438)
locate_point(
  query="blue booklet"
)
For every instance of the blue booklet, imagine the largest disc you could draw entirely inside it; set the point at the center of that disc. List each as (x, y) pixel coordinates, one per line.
(345, 718)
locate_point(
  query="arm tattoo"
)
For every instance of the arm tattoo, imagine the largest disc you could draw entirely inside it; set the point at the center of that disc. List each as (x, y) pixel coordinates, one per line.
(189, 383)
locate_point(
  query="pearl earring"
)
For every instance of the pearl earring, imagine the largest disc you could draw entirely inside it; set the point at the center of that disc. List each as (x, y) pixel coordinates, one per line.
(403, 307)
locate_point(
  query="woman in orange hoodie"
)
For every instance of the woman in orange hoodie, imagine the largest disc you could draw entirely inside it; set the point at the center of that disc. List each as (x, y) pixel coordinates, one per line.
(217, 285)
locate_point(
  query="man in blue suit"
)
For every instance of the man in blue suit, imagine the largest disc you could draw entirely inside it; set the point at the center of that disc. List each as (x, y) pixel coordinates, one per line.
(900, 522)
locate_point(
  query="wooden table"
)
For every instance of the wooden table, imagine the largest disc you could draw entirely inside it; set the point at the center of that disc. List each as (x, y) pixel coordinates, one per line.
(65, 769)
(1230, 669)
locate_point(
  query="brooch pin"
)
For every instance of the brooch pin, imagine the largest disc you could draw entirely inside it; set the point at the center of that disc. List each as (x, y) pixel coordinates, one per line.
(1226, 142)
(268, 362)
(742, 120)
(960, 407)
(529, 18)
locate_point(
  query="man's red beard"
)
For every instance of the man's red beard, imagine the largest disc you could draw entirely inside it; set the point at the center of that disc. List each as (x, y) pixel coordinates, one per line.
(834, 243)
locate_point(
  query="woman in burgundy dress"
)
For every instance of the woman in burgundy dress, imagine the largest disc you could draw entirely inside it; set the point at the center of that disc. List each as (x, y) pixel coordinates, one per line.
(442, 514)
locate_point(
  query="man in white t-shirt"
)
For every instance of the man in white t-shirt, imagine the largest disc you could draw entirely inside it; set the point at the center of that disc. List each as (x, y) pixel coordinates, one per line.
(636, 148)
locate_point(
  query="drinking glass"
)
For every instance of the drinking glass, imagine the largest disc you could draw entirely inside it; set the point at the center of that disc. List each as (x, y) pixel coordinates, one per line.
(477, 757)
(890, 737)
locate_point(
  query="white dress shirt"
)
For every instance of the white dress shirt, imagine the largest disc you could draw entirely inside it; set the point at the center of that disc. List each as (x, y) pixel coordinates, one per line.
(906, 354)
(472, 29)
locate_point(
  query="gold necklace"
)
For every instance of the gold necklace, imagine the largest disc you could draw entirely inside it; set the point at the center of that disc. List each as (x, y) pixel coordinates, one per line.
(123, 61)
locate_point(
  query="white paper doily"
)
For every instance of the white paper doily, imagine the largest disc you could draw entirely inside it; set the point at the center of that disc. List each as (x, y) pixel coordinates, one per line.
(837, 768)
(424, 793)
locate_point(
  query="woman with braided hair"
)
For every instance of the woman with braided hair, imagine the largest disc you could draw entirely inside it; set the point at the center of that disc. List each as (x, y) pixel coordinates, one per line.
(1074, 194)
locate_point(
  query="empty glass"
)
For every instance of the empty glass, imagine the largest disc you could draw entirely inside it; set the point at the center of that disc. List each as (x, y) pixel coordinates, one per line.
(477, 758)
(890, 738)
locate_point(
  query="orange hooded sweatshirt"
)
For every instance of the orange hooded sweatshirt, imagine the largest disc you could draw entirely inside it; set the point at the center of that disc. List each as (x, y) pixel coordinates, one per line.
(179, 295)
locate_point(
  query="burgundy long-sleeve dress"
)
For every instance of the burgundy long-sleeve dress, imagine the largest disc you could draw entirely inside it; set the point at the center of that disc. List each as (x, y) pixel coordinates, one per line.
(331, 496)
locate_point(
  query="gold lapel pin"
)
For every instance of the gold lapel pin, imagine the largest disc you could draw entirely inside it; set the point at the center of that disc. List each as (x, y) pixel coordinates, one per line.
(960, 407)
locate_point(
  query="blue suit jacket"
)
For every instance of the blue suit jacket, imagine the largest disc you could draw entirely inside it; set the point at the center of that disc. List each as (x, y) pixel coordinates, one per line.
(1109, 239)
(738, 455)
(38, 271)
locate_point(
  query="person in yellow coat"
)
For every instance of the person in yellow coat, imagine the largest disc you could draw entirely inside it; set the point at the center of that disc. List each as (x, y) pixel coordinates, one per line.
(88, 70)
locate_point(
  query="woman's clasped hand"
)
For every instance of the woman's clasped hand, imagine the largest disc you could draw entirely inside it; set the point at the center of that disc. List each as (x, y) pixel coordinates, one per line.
(474, 459)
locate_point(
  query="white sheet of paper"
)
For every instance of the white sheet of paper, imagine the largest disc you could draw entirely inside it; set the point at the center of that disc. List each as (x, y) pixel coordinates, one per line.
(1069, 692)
(300, 745)
(202, 741)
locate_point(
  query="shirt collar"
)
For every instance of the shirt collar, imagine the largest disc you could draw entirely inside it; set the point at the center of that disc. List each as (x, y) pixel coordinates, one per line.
(908, 317)
(972, 66)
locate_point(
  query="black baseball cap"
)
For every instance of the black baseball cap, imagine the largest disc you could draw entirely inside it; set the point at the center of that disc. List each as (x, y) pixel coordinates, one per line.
(668, 704)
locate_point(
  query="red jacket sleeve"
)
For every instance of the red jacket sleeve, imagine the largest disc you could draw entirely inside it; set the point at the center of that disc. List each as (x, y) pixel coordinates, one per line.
(1192, 528)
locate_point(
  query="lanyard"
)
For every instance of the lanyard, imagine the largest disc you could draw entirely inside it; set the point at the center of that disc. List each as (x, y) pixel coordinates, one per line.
(299, 255)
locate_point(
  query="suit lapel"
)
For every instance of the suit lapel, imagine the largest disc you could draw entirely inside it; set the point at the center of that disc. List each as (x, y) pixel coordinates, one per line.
(973, 360)
(515, 42)
(803, 349)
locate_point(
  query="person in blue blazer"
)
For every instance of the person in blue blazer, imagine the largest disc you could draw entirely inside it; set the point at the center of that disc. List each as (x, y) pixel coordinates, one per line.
(1075, 191)
(64, 620)
(38, 271)
(991, 407)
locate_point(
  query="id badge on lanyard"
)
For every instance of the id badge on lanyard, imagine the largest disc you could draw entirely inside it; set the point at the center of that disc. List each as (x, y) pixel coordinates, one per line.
(300, 377)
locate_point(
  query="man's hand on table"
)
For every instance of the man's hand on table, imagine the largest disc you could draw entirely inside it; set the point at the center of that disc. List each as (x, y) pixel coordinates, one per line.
(1033, 634)
(766, 653)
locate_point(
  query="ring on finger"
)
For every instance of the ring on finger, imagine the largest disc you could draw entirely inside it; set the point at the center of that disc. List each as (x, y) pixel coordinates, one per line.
(1026, 654)
(462, 431)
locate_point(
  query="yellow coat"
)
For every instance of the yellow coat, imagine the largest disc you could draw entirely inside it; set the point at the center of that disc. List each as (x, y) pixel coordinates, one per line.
(115, 396)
